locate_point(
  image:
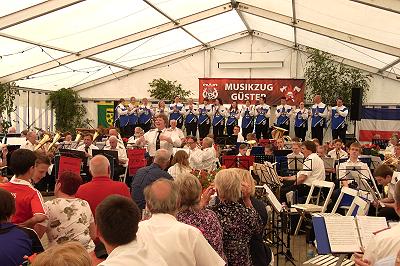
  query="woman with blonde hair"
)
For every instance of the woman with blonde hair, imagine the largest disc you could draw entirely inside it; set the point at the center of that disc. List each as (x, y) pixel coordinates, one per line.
(191, 211)
(260, 254)
(67, 254)
(180, 164)
(239, 221)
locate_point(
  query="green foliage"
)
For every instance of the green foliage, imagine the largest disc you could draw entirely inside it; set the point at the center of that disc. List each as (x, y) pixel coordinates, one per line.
(331, 79)
(8, 91)
(167, 90)
(69, 109)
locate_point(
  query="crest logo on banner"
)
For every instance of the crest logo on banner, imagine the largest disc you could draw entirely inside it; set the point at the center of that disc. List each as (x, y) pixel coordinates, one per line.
(210, 91)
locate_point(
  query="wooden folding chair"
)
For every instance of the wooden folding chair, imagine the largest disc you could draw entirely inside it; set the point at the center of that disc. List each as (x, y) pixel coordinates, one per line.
(308, 207)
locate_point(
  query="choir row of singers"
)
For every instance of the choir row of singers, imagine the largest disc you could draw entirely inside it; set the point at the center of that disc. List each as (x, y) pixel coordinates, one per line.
(213, 113)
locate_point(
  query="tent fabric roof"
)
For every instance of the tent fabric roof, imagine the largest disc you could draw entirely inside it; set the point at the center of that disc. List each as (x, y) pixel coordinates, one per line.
(67, 43)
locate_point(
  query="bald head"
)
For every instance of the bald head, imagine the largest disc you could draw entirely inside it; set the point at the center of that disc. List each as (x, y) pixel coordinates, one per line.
(113, 132)
(162, 196)
(99, 166)
(162, 158)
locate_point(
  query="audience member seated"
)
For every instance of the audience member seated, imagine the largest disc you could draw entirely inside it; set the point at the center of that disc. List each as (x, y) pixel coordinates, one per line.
(42, 178)
(29, 201)
(67, 254)
(99, 188)
(192, 212)
(147, 175)
(176, 242)
(338, 153)
(117, 221)
(303, 180)
(122, 164)
(242, 150)
(15, 242)
(385, 243)
(386, 206)
(180, 164)
(260, 253)
(194, 152)
(69, 218)
(296, 150)
(206, 159)
(236, 132)
(239, 222)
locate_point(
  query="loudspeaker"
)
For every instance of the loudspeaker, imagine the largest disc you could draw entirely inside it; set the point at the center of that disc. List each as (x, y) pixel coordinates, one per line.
(356, 103)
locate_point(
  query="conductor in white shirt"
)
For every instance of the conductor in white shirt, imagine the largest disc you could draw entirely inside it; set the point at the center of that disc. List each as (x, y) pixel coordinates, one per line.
(313, 169)
(206, 160)
(160, 137)
(123, 248)
(176, 242)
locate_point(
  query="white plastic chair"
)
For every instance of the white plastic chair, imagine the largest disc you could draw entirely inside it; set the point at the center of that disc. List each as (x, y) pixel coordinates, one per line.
(363, 207)
(344, 191)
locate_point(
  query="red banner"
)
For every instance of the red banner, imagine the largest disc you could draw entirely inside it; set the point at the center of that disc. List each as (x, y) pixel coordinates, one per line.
(136, 160)
(69, 164)
(241, 90)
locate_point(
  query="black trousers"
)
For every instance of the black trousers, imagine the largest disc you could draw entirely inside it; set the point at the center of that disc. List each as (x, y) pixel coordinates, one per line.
(204, 130)
(191, 129)
(218, 130)
(300, 132)
(301, 190)
(339, 133)
(179, 123)
(285, 127)
(317, 133)
(246, 131)
(146, 127)
(262, 130)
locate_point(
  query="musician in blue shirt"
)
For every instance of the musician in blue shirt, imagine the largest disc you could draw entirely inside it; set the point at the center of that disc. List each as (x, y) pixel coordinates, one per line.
(339, 114)
(176, 111)
(247, 114)
(319, 113)
(263, 112)
(301, 122)
(121, 117)
(145, 115)
(205, 111)
(233, 117)
(218, 118)
(283, 113)
(191, 117)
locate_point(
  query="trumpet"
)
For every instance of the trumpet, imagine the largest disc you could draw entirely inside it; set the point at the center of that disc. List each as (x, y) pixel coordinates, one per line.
(46, 138)
(56, 138)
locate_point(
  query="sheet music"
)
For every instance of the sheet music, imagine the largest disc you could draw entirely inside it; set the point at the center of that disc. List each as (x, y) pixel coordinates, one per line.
(342, 234)
(368, 225)
(274, 201)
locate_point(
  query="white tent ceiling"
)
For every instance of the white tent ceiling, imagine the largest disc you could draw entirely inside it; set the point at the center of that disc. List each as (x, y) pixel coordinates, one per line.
(73, 43)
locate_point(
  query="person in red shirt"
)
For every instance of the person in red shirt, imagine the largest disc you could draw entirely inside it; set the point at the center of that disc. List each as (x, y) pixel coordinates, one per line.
(28, 200)
(101, 185)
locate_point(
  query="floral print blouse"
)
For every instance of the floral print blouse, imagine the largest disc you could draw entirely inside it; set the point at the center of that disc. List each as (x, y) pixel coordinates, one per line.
(69, 219)
(207, 222)
(238, 223)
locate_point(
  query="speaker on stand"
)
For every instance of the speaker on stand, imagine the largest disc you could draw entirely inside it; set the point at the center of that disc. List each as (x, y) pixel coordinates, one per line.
(356, 107)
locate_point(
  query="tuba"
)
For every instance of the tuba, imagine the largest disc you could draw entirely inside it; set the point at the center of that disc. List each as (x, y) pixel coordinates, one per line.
(277, 132)
(46, 138)
(56, 138)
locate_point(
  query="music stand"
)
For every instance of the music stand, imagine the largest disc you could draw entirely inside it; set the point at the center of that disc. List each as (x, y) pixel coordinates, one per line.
(261, 158)
(112, 157)
(244, 162)
(257, 150)
(67, 153)
(282, 153)
(226, 140)
(329, 163)
(295, 162)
